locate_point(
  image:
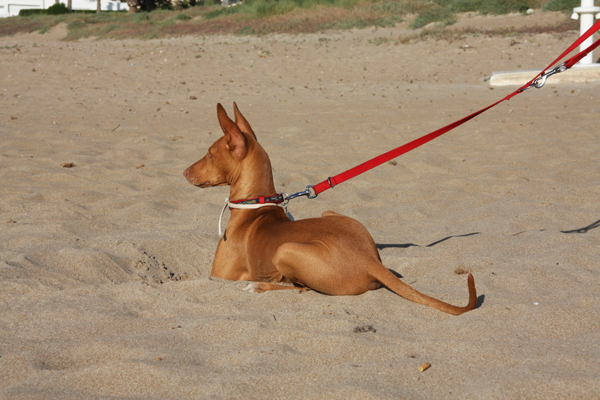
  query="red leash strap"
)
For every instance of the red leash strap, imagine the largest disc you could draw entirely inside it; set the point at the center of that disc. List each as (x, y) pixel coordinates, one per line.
(537, 82)
(574, 60)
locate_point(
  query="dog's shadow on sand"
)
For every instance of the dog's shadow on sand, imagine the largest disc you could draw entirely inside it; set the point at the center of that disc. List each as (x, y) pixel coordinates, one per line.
(381, 246)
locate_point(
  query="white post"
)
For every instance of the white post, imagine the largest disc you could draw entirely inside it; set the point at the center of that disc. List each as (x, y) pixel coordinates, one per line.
(586, 14)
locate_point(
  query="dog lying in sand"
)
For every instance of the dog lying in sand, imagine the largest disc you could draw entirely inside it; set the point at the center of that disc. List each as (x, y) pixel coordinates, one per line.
(333, 254)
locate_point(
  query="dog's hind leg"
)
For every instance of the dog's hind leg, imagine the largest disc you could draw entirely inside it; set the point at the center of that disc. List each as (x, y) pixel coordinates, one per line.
(261, 287)
(323, 268)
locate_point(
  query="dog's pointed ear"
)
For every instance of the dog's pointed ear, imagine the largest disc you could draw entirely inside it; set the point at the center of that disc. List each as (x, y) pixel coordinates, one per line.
(234, 138)
(242, 122)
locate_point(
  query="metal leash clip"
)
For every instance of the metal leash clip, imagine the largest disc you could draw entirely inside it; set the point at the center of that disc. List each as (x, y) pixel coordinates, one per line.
(308, 192)
(541, 81)
(286, 199)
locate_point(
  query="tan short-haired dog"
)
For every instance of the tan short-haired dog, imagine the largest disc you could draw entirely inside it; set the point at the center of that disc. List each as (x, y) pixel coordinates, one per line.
(333, 254)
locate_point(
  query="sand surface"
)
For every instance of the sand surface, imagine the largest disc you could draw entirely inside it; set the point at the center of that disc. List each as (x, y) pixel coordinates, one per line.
(104, 266)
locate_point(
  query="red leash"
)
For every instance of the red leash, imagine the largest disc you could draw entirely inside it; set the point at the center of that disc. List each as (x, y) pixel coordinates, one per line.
(537, 82)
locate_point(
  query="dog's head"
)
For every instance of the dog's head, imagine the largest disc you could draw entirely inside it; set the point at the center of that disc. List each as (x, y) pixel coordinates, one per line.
(223, 162)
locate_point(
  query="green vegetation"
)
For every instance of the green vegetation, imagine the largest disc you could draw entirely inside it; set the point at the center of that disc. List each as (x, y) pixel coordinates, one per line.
(58, 9)
(561, 5)
(444, 11)
(256, 17)
(55, 9)
(32, 11)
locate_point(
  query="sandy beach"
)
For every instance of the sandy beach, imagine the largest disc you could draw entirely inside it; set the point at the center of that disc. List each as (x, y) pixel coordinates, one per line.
(106, 250)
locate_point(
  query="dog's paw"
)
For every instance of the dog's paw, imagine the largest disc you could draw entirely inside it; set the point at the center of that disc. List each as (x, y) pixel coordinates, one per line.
(253, 287)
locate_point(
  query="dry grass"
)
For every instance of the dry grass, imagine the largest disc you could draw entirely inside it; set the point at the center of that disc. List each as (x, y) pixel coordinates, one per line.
(283, 16)
(12, 26)
(451, 35)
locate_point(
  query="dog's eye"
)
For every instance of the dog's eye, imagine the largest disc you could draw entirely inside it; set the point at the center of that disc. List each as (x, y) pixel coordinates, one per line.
(209, 155)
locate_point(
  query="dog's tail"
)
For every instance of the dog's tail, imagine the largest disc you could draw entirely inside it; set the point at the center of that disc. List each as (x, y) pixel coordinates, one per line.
(389, 280)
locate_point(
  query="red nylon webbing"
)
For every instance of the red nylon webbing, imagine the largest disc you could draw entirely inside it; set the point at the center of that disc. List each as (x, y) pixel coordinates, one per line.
(374, 162)
(575, 59)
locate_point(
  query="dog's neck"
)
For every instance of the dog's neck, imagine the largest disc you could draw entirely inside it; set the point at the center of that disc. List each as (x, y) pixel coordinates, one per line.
(253, 177)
